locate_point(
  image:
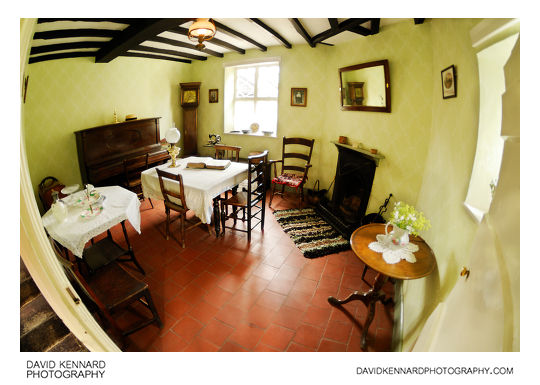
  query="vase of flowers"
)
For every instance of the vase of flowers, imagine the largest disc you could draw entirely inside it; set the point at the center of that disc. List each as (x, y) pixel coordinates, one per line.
(405, 220)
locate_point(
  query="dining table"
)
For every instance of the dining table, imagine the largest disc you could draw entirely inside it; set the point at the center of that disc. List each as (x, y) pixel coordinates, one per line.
(80, 225)
(202, 186)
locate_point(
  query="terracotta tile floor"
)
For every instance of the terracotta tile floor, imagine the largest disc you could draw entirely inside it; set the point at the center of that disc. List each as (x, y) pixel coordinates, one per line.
(227, 295)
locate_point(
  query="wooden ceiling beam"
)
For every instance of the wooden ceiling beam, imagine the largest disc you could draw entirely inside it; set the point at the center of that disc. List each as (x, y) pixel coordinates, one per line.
(80, 32)
(151, 56)
(221, 43)
(63, 55)
(359, 30)
(333, 23)
(168, 52)
(223, 28)
(63, 46)
(177, 43)
(375, 26)
(277, 35)
(419, 21)
(343, 26)
(302, 31)
(134, 35)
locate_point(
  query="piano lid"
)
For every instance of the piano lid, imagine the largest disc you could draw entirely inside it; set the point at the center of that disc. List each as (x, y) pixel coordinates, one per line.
(104, 144)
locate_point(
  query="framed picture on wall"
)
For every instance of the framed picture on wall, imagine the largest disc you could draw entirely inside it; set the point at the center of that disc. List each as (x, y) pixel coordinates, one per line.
(299, 97)
(213, 95)
(449, 85)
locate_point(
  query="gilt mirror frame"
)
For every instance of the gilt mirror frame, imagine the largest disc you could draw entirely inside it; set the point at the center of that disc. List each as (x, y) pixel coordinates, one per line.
(384, 64)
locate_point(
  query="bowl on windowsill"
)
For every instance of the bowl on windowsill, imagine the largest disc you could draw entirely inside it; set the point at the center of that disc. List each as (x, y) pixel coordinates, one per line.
(267, 133)
(246, 131)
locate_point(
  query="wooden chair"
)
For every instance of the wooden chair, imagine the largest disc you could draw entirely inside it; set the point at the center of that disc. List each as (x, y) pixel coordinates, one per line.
(109, 290)
(253, 200)
(133, 166)
(296, 155)
(106, 250)
(231, 153)
(175, 200)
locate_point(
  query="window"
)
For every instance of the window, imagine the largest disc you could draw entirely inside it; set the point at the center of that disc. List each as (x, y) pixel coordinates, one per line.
(251, 98)
(490, 143)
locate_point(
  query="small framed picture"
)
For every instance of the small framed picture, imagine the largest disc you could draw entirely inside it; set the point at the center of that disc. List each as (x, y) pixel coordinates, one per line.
(299, 97)
(213, 95)
(449, 85)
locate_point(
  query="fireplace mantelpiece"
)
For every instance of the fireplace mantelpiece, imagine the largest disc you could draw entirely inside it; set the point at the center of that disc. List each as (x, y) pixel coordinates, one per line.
(376, 157)
(355, 172)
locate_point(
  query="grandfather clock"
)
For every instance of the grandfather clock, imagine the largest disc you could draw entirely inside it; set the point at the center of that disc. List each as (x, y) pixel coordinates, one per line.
(189, 100)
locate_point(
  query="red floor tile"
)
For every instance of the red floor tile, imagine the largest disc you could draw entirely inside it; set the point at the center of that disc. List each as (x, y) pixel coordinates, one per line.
(308, 335)
(332, 346)
(187, 328)
(203, 312)
(260, 316)
(229, 295)
(317, 316)
(277, 337)
(170, 342)
(271, 300)
(178, 307)
(217, 296)
(201, 345)
(216, 332)
(246, 335)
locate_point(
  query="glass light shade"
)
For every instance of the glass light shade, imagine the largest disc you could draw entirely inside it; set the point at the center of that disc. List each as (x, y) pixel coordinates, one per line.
(172, 135)
(202, 29)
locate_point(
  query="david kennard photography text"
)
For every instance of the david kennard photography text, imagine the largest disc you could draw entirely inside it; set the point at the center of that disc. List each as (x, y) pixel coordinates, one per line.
(65, 369)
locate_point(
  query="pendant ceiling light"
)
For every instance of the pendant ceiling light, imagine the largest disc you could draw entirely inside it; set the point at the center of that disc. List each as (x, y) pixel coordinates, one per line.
(201, 30)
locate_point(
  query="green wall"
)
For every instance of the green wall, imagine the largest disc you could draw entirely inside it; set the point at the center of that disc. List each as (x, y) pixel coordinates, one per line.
(73, 94)
(446, 173)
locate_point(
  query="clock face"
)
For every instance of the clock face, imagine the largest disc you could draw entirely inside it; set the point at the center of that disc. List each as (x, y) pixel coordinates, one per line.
(190, 96)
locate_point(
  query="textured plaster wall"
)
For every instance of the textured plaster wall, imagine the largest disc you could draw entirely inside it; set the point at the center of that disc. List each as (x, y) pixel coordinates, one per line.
(73, 94)
(446, 174)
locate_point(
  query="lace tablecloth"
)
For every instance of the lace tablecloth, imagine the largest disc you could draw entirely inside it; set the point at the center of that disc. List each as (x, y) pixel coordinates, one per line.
(393, 253)
(74, 232)
(200, 185)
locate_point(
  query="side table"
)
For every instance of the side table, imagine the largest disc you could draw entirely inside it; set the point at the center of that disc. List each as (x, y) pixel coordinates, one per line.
(360, 239)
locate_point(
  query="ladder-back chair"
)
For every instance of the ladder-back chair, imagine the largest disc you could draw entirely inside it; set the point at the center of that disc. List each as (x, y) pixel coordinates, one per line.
(252, 200)
(296, 155)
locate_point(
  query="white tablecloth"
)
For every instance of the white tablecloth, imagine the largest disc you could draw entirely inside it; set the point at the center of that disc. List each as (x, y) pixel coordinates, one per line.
(200, 185)
(74, 232)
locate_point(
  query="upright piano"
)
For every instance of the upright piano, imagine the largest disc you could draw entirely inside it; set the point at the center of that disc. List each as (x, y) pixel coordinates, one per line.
(102, 149)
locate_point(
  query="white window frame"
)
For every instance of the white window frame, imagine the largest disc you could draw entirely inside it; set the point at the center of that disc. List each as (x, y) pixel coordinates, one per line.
(230, 98)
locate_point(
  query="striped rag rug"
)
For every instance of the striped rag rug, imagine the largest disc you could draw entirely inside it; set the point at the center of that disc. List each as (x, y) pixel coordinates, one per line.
(311, 233)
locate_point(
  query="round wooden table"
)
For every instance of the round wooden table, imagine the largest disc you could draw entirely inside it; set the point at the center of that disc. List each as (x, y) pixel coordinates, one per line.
(360, 240)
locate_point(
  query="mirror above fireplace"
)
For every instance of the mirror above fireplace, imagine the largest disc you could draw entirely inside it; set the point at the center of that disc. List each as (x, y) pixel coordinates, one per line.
(365, 87)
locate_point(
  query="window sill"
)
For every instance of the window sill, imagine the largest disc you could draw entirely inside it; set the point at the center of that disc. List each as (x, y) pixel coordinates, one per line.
(258, 134)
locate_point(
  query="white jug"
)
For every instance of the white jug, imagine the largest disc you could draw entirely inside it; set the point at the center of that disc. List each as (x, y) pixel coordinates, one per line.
(398, 236)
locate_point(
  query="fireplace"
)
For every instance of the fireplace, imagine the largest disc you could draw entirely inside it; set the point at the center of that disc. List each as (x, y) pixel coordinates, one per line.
(354, 178)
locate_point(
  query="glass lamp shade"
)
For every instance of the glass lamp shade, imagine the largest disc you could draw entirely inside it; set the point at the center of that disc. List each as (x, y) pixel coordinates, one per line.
(202, 29)
(172, 135)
